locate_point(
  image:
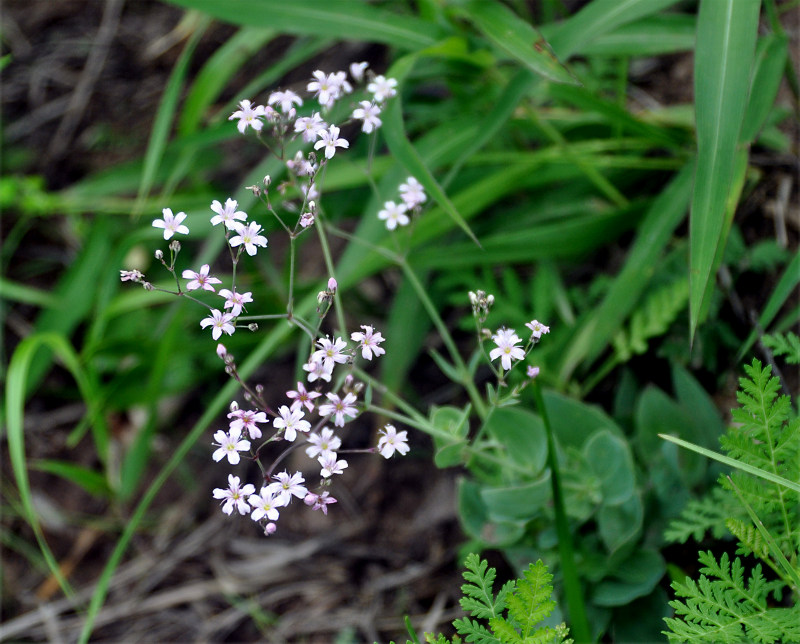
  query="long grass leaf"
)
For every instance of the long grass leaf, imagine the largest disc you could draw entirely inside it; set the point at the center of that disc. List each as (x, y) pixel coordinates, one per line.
(344, 20)
(651, 36)
(517, 38)
(726, 35)
(768, 69)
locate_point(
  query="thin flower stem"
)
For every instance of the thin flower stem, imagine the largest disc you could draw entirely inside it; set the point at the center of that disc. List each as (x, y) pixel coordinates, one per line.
(326, 253)
(466, 378)
(292, 252)
(572, 585)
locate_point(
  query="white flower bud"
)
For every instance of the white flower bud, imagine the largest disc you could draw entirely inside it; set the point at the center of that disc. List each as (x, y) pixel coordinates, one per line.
(159, 255)
(234, 406)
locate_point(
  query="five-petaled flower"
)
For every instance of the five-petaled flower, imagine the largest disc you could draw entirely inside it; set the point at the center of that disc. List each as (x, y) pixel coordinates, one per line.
(285, 99)
(412, 193)
(330, 466)
(228, 214)
(291, 421)
(339, 408)
(368, 342)
(392, 441)
(249, 236)
(234, 495)
(330, 352)
(310, 126)
(302, 397)
(229, 445)
(394, 214)
(285, 486)
(264, 505)
(246, 419)
(382, 88)
(235, 301)
(368, 113)
(249, 116)
(219, 322)
(507, 349)
(324, 443)
(329, 139)
(319, 501)
(171, 223)
(200, 280)
(537, 328)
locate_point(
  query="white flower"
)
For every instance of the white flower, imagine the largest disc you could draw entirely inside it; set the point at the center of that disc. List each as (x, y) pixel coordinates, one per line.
(235, 301)
(286, 486)
(394, 215)
(133, 276)
(317, 370)
(368, 112)
(200, 280)
(311, 126)
(339, 79)
(248, 116)
(221, 323)
(382, 88)
(248, 235)
(229, 445)
(368, 342)
(291, 421)
(171, 223)
(301, 166)
(357, 71)
(247, 419)
(392, 441)
(265, 505)
(507, 349)
(412, 193)
(330, 352)
(324, 443)
(330, 465)
(326, 88)
(537, 328)
(227, 215)
(234, 496)
(285, 100)
(329, 139)
(339, 407)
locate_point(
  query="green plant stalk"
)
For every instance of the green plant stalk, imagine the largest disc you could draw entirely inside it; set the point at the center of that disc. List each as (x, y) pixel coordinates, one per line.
(773, 547)
(441, 327)
(572, 585)
(326, 253)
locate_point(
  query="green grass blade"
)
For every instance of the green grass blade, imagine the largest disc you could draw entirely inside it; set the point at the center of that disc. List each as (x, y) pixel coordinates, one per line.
(16, 394)
(405, 153)
(726, 34)
(598, 18)
(653, 234)
(14, 292)
(165, 116)
(784, 289)
(771, 53)
(517, 38)
(93, 482)
(343, 20)
(652, 36)
(731, 462)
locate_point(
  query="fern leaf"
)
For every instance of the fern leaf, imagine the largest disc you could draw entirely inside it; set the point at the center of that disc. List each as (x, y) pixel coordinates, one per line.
(479, 600)
(784, 345)
(531, 602)
(474, 631)
(701, 516)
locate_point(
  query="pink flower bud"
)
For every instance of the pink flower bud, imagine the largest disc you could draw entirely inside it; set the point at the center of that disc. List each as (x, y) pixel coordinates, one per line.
(332, 285)
(222, 351)
(270, 528)
(532, 372)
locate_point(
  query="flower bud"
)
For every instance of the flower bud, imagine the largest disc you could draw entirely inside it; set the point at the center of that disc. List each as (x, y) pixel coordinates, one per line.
(332, 285)
(270, 528)
(267, 181)
(147, 286)
(532, 372)
(222, 352)
(159, 254)
(253, 326)
(175, 246)
(234, 406)
(260, 389)
(306, 219)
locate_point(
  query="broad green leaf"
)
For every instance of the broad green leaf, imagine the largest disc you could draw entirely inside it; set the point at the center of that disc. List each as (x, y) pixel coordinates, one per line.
(611, 462)
(634, 577)
(620, 524)
(726, 34)
(522, 435)
(518, 502)
(574, 421)
(344, 20)
(518, 39)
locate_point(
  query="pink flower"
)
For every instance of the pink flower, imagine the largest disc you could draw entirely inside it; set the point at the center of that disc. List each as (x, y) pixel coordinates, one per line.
(537, 328)
(248, 116)
(235, 301)
(318, 371)
(221, 323)
(319, 501)
(291, 422)
(339, 408)
(229, 445)
(392, 441)
(200, 280)
(310, 126)
(324, 443)
(368, 342)
(171, 223)
(286, 486)
(234, 496)
(247, 419)
(507, 349)
(330, 353)
(532, 372)
(302, 397)
(412, 193)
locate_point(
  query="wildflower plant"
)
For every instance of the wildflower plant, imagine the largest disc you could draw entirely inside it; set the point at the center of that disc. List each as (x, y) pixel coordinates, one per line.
(313, 415)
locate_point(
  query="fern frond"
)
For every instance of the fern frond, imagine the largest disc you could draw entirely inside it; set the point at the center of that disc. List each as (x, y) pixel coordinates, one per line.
(531, 602)
(784, 345)
(701, 516)
(479, 600)
(652, 319)
(750, 539)
(474, 631)
(721, 607)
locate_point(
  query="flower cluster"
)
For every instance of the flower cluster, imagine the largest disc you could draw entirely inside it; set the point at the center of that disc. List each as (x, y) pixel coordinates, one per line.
(310, 415)
(412, 196)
